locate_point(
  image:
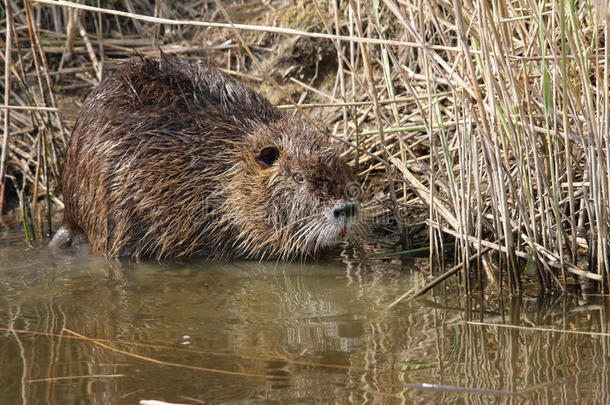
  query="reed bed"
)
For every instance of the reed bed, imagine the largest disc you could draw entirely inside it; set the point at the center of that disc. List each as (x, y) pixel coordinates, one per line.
(479, 122)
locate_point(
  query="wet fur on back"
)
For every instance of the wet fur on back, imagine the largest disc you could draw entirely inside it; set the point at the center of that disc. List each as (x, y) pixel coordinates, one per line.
(170, 158)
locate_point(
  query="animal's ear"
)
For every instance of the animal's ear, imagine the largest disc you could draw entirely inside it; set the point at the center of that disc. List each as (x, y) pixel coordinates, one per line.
(267, 156)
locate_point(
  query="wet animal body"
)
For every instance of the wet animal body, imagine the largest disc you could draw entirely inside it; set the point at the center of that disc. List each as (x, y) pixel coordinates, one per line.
(170, 158)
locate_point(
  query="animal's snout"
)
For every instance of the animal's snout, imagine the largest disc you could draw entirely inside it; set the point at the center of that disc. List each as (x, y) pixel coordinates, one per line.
(347, 211)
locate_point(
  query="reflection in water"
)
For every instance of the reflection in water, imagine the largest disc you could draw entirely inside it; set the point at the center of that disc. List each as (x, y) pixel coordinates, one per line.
(260, 332)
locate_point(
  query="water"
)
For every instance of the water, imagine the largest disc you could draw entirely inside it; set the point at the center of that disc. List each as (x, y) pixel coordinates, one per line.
(79, 329)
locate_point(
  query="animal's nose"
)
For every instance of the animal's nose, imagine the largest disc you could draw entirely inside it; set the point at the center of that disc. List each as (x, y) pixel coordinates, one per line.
(347, 210)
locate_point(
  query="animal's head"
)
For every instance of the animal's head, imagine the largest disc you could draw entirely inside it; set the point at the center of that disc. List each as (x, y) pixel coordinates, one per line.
(297, 194)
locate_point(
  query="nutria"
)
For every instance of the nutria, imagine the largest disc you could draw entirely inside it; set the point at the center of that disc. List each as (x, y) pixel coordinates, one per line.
(170, 158)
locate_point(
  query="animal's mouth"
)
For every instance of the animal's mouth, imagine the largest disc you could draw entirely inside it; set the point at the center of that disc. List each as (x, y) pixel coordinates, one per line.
(344, 216)
(330, 229)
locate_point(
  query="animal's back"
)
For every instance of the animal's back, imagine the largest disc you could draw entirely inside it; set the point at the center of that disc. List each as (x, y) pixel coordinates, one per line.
(143, 137)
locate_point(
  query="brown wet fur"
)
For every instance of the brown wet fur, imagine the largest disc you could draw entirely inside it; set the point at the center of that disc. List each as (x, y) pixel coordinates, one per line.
(170, 158)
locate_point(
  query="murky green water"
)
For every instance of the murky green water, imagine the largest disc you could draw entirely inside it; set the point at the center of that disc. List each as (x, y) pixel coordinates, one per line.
(79, 329)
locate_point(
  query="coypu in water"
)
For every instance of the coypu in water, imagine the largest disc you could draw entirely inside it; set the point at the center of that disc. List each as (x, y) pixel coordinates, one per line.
(170, 158)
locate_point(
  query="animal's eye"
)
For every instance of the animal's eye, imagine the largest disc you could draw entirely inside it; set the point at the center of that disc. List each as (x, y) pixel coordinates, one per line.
(267, 156)
(298, 177)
